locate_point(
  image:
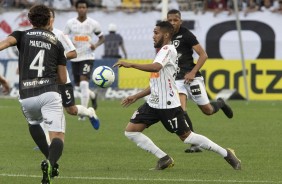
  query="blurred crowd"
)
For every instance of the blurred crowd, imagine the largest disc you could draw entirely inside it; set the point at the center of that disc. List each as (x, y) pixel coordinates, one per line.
(130, 6)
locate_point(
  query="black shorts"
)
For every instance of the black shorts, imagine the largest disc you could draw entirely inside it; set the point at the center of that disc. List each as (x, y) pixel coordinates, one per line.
(172, 119)
(67, 94)
(82, 68)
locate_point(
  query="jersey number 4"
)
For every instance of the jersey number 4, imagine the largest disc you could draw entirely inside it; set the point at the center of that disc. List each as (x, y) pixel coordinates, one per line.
(37, 63)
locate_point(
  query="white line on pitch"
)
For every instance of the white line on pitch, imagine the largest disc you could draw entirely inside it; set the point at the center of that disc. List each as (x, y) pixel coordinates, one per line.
(142, 179)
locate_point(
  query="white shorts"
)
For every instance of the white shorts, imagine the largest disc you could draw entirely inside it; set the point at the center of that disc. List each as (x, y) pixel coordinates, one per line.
(196, 90)
(46, 108)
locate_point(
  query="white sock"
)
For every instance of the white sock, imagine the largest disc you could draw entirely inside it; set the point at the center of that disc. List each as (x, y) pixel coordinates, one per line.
(92, 94)
(145, 143)
(82, 111)
(46, 132)
(205, 143)
(84, 88)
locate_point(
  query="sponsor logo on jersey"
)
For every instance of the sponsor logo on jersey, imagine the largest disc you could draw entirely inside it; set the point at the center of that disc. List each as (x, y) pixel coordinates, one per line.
(155, 75)
(179, 36)
(171, 93)
(36, 83)
(81, 38)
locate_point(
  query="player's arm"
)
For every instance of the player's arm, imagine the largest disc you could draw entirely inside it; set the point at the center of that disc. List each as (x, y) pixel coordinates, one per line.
(8, 42)
(100, 41)
(153, 67)
(71, 55)
(62, 74)
(201, 61)
(131, 99)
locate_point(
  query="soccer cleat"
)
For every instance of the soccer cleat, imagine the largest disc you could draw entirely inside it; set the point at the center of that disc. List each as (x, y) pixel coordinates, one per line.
(193, 149)
(225, 108)
(55, 171)
(46, 171)
(232, 159)
(94, 119)
(165, 162)
(94, 101)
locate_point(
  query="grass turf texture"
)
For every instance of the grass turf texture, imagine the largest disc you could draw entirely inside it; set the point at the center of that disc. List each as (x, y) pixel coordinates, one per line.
(106, 156)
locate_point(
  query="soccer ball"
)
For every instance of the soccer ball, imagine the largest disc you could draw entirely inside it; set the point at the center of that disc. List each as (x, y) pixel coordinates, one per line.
(103, 76)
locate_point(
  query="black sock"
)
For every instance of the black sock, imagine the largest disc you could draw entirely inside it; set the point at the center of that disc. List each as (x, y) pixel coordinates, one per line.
(39, 138)
(55, 150)
(216, 106)
(188, 121)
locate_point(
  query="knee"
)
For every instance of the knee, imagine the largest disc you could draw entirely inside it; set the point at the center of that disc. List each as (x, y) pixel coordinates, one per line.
(71, 110)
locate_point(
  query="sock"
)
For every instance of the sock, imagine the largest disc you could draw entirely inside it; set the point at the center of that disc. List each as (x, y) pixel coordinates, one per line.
(46, 132)
(84, 88)
(82, 111)
(145, 143)
(205, 143)
(92, 94)
(39, 138)
(216, 106)
(55, 150)
(188, 121)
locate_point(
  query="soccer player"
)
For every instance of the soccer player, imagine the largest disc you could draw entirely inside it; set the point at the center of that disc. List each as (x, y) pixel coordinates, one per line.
(163, 104)
(67, 89)
(80, 30)
(42, 65)
(5, 85)
(189, 81)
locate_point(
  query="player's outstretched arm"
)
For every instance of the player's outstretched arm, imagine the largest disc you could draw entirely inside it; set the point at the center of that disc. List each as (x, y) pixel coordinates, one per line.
(131, 99)
(8, 42)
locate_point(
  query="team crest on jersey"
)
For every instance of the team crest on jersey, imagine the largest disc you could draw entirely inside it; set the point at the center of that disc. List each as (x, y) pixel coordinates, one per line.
(176, 43)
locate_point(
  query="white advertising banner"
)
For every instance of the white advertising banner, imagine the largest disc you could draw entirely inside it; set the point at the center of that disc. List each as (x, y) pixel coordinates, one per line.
(261, 32)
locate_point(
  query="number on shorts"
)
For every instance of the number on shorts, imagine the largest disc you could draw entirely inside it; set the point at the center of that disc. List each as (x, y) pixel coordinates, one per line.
(86, 68)
(37, 63)
(173, 123)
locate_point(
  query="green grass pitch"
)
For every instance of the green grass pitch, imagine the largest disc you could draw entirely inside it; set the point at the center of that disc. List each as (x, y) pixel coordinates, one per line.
(106, 156)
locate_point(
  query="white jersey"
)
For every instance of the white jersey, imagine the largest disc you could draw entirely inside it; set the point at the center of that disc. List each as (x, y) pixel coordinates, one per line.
(164, 94)
(81, 36)
(67, 44)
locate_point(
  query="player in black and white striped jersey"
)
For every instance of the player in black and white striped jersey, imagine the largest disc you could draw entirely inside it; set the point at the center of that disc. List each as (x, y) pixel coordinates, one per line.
(42, 65)
(163, 104)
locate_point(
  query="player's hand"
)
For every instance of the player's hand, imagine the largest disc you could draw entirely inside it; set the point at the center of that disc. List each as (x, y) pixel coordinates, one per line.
(128, 101)
(122, 64)
(189, 77)
(92, 47)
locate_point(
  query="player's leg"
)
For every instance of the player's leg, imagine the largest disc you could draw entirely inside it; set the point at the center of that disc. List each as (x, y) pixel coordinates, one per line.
(199, 95)
(133, 131)
(32, 112)
(184, 92)
(183, 95)
(85, 74)
(189, 137)
(77, 110)
(52, 112)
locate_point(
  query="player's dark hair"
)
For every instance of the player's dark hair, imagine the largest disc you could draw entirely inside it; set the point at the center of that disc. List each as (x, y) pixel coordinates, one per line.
(166, 27)
(39, 15)
(81, 2)
(174, 11)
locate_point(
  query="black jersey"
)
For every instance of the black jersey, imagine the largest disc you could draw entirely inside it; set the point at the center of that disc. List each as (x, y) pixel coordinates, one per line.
(183, 41)
(40, 53)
